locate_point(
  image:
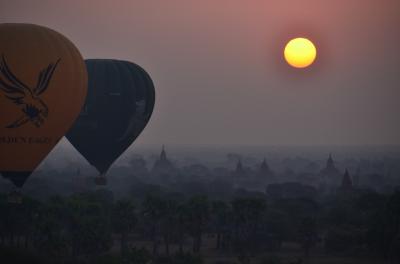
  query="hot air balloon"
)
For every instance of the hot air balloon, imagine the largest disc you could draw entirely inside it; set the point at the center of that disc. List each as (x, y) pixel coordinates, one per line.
(119, 105)
(43, 85)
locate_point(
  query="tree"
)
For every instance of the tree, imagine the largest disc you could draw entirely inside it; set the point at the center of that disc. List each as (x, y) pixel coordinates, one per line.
(169, 221)
(308, 235)
(124, 221)
(153, 208)
(50, 227)
(248, 214)
(384, 232)
(198, 214)
(339, 240)
(89, 226)
(138, 256)
(180, 258)
(182, 224)
(220, 219)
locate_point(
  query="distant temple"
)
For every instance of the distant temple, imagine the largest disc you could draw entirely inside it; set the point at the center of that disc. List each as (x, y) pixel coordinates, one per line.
(330, 174)
(264, 168)
(163, 165)
(330, 167)
(239, 171)
(347, 183)
(265, 172)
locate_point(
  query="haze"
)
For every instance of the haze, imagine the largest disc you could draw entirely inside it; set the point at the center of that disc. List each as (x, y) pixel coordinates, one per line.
(219, 73)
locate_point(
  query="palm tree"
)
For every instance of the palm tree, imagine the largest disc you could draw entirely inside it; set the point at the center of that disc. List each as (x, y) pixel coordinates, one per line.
(124, 221)
(220, 211)
(384, 232)
(49, 227)
(198, 214)
(169, 222)
(182, 222)
(308, 234)
(153, 208)
(89, 226)
(248, 214)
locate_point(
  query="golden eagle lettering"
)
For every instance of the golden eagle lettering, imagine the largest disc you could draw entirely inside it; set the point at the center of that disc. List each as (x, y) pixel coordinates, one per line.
(33, 108)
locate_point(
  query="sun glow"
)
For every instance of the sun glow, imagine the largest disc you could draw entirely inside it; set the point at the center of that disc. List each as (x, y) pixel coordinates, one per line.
(300, 52)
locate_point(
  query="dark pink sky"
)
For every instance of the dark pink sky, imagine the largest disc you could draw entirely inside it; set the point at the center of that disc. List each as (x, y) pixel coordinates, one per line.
(218, 67)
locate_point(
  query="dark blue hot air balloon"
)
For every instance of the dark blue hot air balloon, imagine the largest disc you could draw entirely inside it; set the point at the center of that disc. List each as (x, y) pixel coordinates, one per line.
(118, 106)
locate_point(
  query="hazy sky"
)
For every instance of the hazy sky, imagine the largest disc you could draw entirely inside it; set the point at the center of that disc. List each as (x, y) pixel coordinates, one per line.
(218, 68)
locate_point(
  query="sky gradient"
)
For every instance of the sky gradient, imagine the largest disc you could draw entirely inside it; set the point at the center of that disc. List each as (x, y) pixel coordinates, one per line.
(219, 72)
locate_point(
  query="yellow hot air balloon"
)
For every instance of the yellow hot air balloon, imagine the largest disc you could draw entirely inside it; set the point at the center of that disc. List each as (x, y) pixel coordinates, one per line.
(43, 84)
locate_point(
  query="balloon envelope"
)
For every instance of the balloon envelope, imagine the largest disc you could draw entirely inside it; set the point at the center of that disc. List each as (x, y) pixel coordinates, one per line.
(119, 105)
(43, 84)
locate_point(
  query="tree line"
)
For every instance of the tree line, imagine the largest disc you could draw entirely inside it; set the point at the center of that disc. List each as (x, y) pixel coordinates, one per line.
(163, 226)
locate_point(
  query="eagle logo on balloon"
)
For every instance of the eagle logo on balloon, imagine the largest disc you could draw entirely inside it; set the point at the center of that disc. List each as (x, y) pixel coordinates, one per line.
(28, 99)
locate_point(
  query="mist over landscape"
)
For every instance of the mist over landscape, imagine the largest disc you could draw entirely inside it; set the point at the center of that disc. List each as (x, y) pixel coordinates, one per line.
(312, 203)
(298, 161)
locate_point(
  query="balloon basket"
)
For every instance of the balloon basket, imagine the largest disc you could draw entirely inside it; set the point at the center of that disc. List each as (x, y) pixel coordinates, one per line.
(14, 197)
(100, 181)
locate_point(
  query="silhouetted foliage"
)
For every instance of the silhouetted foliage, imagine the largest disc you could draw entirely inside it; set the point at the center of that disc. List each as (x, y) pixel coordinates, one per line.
(164, 225)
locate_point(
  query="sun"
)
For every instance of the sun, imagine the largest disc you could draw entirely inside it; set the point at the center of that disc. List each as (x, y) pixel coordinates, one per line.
(300, 52)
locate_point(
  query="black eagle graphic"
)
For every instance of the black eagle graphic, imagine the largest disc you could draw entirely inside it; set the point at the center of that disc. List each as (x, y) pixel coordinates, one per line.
(33, 108)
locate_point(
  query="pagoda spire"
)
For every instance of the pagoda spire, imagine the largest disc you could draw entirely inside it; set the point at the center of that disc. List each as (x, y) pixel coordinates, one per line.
(264, 165)
(163, 165)
(347, 183)
(330, 163)
(163, 155)
(239, 166)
